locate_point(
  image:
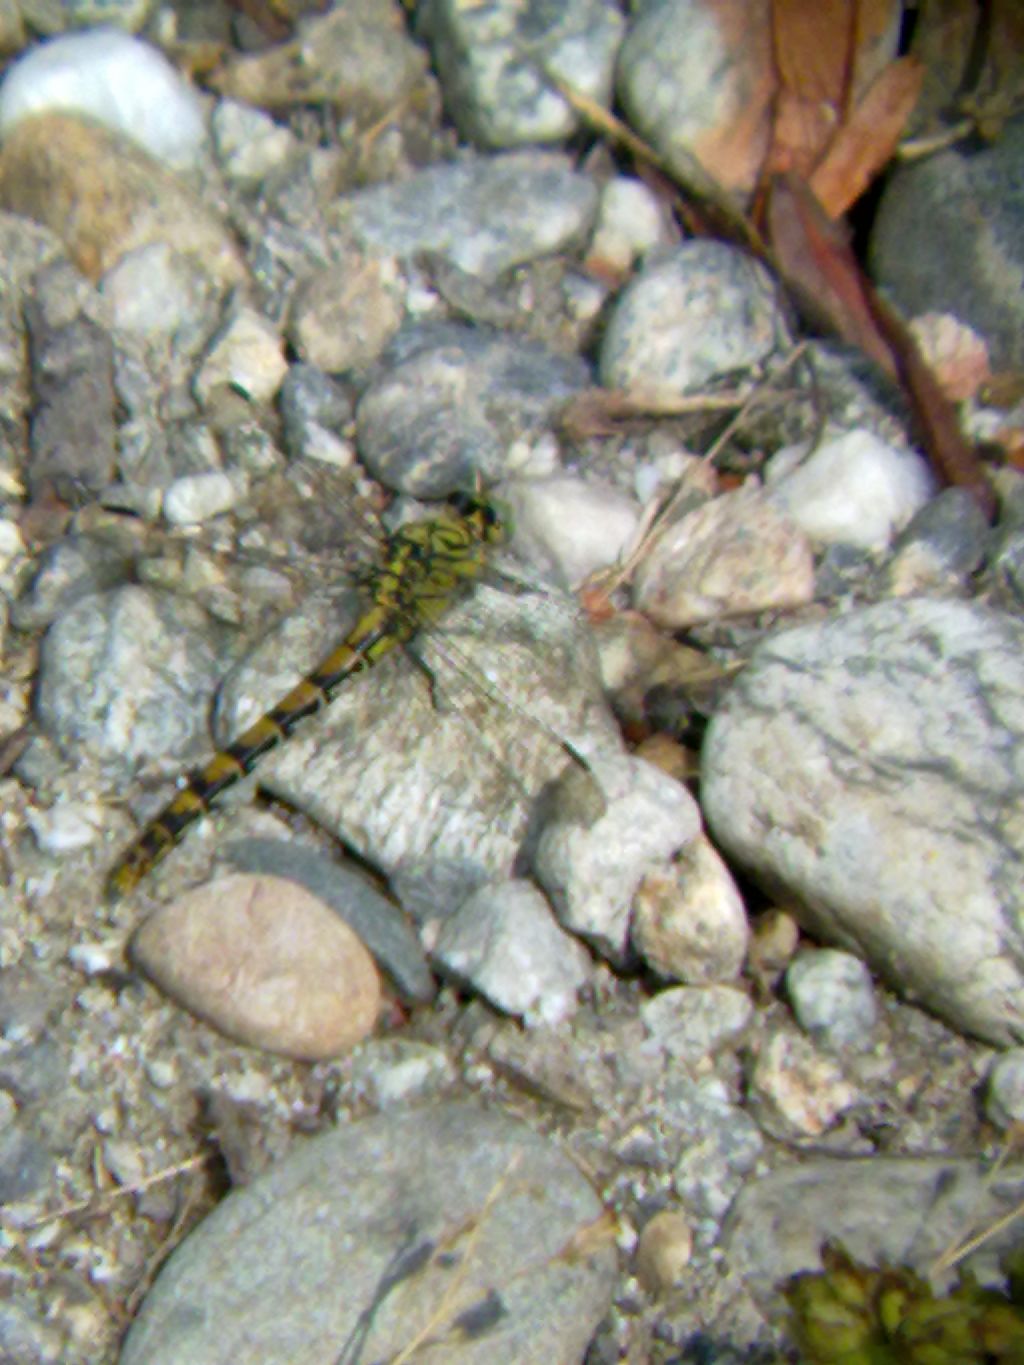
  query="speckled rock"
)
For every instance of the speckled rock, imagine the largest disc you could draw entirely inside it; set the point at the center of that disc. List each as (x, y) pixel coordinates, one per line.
(703, 311)
(498, 64)
(265, 962)
(368, 1232)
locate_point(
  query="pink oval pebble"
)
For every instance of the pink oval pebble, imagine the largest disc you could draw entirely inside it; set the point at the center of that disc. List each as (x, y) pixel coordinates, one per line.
(265, 962)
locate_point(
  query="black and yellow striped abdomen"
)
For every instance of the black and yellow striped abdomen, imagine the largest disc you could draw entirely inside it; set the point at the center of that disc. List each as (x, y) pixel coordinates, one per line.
(425, 565)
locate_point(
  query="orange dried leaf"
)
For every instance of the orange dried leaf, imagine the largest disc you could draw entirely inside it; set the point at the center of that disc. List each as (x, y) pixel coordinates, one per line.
(868, 138)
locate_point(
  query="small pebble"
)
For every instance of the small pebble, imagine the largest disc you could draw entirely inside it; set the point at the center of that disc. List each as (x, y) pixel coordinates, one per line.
(1004, 1091)
(264, 962)
(689, 922)
(854, 488)
(833, 997)
(197, 497)
(664, 1251)
(805, 1088)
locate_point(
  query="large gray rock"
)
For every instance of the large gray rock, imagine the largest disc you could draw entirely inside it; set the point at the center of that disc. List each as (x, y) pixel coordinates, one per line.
(868, 768)
(449, 1219)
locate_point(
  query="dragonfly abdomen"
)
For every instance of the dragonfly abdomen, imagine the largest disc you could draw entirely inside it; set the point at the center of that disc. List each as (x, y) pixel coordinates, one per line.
(425, 565)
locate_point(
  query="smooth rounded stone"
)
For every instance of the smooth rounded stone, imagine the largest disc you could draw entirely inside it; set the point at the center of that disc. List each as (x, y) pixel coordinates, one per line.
(895, 1210)
(803, 1089)
(833, 997)
(630, 222)
(358, 58)
(663, 1251)
(853, 488)
(934, 251)
(196, 498)
(721, 1144)
(73, 432)
(483, 214)
(609, 828)
(733, 555)
(121, 82)
(695, 79)
(123, 198)
(504, 942)
(692, 1023)
(498, 66)
(569, 527)
(126, 675)
(1004, 1089)
(343, 315)
(688, 318)
(941, 546)
(866, 767)
(378, 921)
(689, 920)
(453, 403)
(249, 144)
(431, 773)
(443, 1215)
(246, 356)
(265, 962)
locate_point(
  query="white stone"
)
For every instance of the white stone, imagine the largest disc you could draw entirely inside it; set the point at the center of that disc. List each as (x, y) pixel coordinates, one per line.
(853, 489)
(630, 222)
(608, 830)
(120, 81)
(198, 497)
(570, 525)
(246, 356)
(505, 942)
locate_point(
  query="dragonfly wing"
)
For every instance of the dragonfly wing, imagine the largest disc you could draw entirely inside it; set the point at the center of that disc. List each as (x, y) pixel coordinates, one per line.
(446, 790)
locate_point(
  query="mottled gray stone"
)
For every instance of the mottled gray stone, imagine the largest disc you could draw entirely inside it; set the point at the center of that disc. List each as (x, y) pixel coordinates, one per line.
(127, 674)
(453, 400)
(898, 1210)
(689, 317)
(484, 214)
(357, 1236)
(868, 769)
(498, 63)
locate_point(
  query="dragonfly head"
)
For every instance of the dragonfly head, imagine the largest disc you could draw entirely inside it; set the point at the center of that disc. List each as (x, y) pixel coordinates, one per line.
(488, 519)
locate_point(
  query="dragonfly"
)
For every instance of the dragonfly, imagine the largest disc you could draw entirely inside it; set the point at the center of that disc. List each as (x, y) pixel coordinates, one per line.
(425, 566)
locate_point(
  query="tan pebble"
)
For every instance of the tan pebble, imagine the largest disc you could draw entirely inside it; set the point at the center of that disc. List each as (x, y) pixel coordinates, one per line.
(104, 196)
(265, 962)
(663, 1252)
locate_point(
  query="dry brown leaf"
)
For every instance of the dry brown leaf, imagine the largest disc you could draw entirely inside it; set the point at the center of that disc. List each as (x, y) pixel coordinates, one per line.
(868, 138)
